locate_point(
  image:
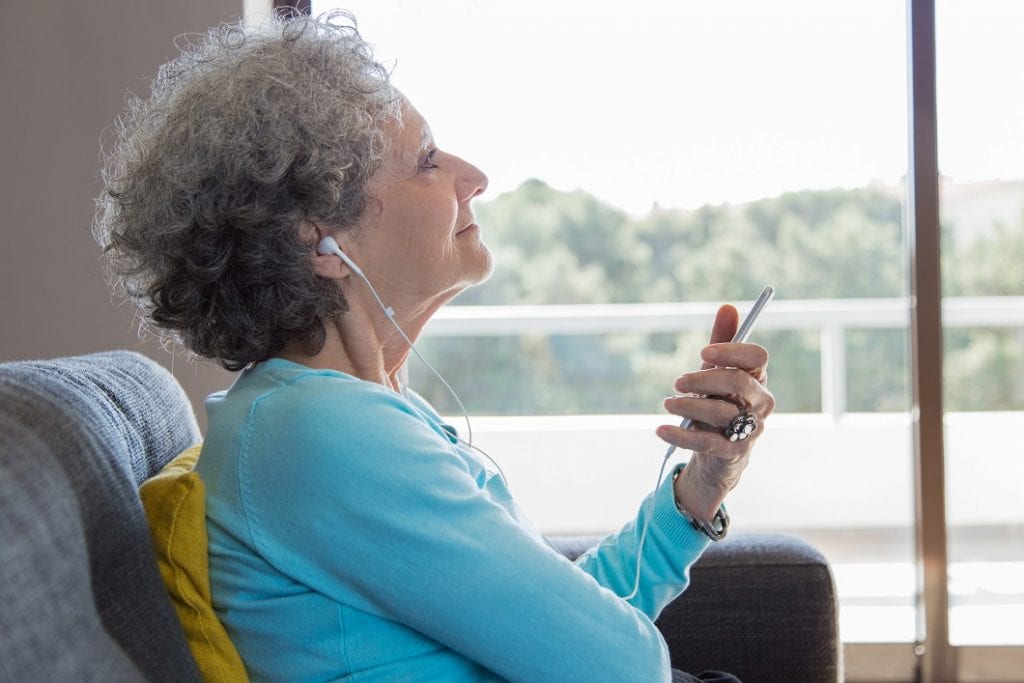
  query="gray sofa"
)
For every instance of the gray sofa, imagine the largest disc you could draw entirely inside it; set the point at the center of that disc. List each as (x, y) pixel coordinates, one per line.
(81, 598)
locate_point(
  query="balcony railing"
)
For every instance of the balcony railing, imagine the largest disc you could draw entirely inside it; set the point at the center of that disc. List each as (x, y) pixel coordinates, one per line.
(830, 317)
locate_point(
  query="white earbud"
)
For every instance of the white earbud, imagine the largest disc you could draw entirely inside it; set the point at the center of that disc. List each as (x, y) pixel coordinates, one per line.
(329, 245)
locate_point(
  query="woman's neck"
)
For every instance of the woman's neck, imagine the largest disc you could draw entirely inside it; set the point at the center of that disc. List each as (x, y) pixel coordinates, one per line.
(365, 344)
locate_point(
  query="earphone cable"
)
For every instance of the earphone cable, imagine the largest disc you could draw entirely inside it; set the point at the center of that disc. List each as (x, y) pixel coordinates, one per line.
(647, 523)
(390, 313)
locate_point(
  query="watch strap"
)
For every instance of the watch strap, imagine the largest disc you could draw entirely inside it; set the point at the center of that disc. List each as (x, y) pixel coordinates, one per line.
(716, 529)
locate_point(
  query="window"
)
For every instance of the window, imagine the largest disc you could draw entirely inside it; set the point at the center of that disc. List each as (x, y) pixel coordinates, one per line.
(650, 161)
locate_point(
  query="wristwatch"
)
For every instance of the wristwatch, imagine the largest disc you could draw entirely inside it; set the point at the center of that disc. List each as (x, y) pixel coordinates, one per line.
(716, 529)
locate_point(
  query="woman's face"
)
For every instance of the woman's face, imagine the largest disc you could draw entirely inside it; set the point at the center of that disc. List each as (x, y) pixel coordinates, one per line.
(419, 242)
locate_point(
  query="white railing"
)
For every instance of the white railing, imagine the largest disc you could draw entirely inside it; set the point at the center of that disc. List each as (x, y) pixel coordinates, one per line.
(831, 317)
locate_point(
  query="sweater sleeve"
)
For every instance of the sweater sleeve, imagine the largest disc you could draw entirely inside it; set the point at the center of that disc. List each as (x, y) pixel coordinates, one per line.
(362, 500)
(672, 545)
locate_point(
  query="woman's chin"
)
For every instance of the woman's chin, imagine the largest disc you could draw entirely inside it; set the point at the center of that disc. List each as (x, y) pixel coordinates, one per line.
(484, 267)
(473, 265)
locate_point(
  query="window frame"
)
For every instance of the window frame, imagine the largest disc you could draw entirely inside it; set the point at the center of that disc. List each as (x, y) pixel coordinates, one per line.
(935, 654)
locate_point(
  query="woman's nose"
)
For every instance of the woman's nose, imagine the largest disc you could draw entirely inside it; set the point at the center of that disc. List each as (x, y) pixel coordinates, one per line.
(472, 181)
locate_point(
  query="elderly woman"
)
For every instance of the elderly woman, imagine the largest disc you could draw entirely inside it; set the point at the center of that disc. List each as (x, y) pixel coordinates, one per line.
(352, 534)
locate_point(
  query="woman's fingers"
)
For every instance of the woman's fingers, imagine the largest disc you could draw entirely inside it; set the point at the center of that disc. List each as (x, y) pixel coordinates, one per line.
(727, 321)
(713, 412)
(708, 441)
(731, 381)
(749, 357)
(738, 386)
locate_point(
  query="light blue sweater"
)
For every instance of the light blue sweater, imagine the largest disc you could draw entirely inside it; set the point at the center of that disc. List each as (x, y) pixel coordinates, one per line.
(353, 538)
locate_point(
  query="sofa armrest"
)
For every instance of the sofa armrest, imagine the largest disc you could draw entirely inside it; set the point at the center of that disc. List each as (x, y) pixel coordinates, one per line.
(760, 606)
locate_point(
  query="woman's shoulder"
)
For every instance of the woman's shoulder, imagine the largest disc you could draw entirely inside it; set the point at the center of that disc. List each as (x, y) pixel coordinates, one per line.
(293, 423)
(282, 400)
(293, 401)
(279, 383)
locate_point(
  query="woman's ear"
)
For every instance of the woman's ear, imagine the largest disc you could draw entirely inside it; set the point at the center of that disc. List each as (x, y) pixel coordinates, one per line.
(326, 265)
(330, 266)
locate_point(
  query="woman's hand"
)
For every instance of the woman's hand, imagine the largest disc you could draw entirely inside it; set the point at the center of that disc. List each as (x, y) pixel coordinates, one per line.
(731, 382)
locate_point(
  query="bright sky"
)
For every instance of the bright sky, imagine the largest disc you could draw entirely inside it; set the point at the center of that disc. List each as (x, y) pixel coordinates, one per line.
(689, 102)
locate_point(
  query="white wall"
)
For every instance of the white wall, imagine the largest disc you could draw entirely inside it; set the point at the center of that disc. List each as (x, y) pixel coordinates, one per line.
(65, 68)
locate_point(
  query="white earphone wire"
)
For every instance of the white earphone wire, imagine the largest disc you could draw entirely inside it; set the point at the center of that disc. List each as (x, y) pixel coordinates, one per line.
(647, 523)
(330, 245)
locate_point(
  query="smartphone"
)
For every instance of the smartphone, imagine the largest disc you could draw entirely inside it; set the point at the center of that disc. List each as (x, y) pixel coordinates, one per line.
(748, 323)
(741, 334)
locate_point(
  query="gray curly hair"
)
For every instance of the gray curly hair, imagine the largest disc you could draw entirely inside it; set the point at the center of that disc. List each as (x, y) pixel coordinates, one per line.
(250, 134)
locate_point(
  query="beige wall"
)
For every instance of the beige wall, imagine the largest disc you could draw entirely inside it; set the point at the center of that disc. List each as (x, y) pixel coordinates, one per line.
(65, 67)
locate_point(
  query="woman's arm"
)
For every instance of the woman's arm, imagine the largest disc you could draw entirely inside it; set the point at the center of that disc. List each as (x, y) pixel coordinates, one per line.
(672, 545)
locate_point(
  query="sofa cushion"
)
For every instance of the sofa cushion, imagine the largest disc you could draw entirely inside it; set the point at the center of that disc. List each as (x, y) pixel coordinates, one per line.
(51, 631)
(175, 505)
(107, 421)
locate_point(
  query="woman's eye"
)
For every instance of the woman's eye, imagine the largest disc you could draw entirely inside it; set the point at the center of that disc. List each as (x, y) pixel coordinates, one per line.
(428, 161)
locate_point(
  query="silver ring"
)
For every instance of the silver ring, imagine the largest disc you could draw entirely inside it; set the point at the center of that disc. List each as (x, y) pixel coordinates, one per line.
(741, 427)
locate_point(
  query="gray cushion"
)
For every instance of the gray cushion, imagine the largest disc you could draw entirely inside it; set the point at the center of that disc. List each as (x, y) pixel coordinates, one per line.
(51, 631)
(762, 607)
(108, 421)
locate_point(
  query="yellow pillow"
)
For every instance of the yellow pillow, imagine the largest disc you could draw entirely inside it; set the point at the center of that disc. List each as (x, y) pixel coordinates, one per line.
(176, 509)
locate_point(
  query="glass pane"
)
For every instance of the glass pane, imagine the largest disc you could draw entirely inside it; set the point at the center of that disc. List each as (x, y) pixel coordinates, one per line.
(981, 134)
(678, 155)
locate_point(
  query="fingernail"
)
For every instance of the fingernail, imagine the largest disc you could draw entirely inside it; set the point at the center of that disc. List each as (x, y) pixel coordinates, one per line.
(710, 353)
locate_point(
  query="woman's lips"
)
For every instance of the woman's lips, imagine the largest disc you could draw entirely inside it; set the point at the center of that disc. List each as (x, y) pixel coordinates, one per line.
(468, 228)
